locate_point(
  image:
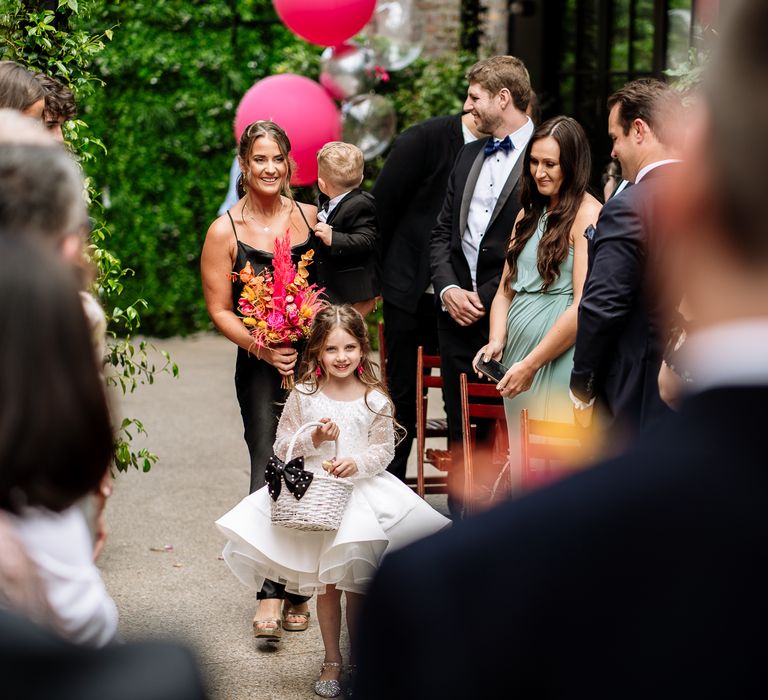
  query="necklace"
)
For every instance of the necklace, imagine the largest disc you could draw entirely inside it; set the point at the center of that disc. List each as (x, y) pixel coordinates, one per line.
(253, 218)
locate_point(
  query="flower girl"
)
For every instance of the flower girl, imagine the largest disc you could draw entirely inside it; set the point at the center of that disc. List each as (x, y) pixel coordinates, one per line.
(355, 440)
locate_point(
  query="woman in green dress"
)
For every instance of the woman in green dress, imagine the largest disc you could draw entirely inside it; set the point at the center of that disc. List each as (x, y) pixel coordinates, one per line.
(534, 312)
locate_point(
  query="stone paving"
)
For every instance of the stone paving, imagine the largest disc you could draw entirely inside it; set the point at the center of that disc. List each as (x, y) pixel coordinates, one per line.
(161, 563)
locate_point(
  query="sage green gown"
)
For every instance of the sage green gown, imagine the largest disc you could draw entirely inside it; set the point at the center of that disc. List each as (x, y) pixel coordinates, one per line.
(531, 314)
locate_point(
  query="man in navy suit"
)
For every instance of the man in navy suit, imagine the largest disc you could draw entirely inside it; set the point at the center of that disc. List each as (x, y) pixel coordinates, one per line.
(645, 576)
(469, 241)
(619, 340)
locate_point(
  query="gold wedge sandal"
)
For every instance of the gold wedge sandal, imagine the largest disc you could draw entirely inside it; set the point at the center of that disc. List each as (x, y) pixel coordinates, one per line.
(295, 626)
(272, 634)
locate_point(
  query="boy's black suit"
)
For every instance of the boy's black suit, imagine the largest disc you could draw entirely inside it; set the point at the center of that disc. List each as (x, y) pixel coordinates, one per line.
(347, 269)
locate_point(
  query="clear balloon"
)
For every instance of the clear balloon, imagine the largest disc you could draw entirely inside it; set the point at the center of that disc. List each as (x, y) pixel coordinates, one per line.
(347, 70)
(369, 122)
(395, 33)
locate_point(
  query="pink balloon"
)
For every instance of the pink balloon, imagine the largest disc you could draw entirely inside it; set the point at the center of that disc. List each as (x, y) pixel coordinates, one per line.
(325, 22)
(302, 108)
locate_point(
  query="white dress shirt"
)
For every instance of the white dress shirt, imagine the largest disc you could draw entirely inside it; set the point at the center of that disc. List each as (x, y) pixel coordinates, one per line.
(728, 354)
(652, 166)
(493, 176)
(322, 214)
(61, 549)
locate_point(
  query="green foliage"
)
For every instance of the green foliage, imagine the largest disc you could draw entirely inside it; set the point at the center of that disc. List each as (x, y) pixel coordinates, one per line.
(175, 72)
(59, 45)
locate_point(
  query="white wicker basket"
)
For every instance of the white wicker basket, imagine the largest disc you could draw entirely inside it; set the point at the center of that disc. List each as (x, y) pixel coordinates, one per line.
(321, 507)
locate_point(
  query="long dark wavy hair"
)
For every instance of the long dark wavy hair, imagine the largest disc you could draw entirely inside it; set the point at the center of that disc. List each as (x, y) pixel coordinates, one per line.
(576, 165)
(349, 320)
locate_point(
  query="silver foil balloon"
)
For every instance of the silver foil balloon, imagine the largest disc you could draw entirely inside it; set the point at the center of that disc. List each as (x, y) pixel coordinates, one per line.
(347, 70)
(395, 33)
(369, 122)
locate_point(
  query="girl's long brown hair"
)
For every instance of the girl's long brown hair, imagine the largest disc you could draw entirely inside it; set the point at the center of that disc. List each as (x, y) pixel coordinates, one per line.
(576, 165)
(349, 320)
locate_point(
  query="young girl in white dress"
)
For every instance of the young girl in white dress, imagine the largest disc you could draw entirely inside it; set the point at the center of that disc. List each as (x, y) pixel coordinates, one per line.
(338, 388)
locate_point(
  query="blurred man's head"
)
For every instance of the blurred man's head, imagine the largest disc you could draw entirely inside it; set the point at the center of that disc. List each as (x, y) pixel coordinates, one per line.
(719, 210)
(644, 124)
(42, 196)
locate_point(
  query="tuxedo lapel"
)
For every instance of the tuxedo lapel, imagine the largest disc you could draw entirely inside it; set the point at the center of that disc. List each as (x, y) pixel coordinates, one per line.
(508, 188)
(469, 189)
(336, 209)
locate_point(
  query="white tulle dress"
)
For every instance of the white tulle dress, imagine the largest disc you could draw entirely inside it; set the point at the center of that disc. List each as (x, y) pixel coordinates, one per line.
(382, 513)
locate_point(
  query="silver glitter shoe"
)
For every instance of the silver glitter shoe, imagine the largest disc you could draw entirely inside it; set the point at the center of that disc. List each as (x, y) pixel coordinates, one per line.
(328, 689)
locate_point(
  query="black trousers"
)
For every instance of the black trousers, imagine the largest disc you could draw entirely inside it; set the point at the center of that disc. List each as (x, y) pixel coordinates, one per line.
(404, 332)
(261, 400)
(458, 347)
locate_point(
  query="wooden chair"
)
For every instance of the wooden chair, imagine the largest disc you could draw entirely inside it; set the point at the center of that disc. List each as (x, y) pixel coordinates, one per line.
(550, 450)
(429, 428)
(474, 409)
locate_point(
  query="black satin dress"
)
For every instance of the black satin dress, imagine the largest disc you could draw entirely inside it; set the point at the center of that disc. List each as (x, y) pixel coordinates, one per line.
(257, 384)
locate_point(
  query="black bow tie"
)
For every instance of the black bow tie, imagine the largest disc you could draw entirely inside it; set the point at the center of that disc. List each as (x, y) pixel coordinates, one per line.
(493, 145)
(324, 206)
(297, 479)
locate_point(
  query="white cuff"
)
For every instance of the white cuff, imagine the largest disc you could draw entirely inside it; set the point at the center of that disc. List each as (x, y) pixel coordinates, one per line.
(443, 291)
(579, 404)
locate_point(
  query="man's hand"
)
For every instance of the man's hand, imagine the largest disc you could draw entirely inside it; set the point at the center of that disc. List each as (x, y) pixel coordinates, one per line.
(464, 307)
(327, 432)
(324, 232)
(583, 416)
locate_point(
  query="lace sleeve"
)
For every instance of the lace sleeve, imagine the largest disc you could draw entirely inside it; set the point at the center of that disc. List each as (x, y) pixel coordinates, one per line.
(381, 445)
(290, 422)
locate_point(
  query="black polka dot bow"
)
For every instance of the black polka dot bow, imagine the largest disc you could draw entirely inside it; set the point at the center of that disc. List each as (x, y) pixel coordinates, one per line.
(297, 479)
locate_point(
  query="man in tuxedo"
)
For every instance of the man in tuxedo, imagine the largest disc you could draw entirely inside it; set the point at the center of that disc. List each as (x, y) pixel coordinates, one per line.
(619, 340)
(643, 577)
(409, 191)
(469, 241)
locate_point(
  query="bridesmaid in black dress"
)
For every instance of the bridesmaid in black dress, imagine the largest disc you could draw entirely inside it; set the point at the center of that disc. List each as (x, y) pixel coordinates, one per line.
(246, 233)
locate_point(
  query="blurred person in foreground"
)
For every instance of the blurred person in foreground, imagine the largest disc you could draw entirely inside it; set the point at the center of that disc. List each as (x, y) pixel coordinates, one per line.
(55, 435)
(55, 444)
(41, 200)
(643, 576)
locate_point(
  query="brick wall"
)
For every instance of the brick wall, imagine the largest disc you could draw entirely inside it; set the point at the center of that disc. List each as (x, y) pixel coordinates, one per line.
(440, 19)
(495, 24)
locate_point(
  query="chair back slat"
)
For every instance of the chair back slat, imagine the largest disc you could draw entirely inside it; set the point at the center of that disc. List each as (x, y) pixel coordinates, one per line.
(431, 484)
(486, 410)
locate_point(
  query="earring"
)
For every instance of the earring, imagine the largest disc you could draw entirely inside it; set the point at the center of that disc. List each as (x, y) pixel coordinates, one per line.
(360, 370)
(318, 371)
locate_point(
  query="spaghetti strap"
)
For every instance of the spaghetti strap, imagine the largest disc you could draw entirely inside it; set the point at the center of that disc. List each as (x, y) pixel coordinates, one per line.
(301, 211)
(234, 230)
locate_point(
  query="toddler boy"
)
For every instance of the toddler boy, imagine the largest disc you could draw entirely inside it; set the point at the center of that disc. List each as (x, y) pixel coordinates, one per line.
(346, 229)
